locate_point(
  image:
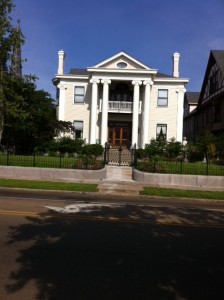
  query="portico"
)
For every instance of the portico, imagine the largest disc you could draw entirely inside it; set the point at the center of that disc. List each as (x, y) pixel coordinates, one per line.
(137, 106)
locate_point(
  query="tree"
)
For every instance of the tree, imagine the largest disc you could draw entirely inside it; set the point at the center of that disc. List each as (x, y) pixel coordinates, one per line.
(30, 116)
(173, 148)
(67, 144)
(9, 39)
(155, 147)
(206, 145)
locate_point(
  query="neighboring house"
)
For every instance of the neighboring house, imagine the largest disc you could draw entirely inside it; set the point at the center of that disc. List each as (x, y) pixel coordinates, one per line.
(209, 113)
(190, 105)
(121, 101)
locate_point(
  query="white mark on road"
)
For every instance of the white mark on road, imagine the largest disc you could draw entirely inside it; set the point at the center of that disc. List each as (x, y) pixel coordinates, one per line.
(83, 207)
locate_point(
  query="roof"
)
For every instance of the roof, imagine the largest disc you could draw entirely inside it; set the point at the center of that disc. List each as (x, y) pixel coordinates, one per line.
(192, 97)
(74, 71)
(158, 74)
(219, 57)
(78, 71)
(216, 56)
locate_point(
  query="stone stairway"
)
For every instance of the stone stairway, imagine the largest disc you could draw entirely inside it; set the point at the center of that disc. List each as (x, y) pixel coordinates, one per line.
(119, 182)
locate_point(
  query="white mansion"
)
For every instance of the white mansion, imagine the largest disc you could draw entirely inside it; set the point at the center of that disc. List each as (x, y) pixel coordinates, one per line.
(121, 101)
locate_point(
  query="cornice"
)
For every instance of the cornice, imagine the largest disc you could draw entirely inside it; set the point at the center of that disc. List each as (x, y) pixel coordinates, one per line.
(182, 80)
(121, 71)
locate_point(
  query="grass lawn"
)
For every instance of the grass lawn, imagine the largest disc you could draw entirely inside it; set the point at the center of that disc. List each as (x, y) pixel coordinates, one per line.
(167, 192)
(166, 167)
(47, 185)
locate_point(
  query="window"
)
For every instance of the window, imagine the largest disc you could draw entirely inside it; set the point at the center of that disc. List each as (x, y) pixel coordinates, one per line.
(216, 113)
(162, 98)
(78, 129)
(213, 83)
(79, 94)
(161, 131)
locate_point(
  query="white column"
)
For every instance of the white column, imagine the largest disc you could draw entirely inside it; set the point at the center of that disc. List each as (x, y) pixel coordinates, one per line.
(104, 122)
(135, 112)
(61, 107)
(180, 114)
(145, 114)
(93, 111)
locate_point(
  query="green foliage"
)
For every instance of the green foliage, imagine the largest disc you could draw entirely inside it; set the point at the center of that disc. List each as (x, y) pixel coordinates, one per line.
(141, 153)
(167, 192)
(156, 147)
(47, 185)
(173, 148)
(67, 145)
(206, 145)
(92, 150)
(194, 154)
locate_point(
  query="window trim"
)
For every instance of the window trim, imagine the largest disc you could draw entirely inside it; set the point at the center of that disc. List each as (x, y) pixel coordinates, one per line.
(161, 125)
(162, 98)
(81, 121)
(76, 94)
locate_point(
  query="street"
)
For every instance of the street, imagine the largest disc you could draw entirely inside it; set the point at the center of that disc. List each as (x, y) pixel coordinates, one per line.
(79, 246)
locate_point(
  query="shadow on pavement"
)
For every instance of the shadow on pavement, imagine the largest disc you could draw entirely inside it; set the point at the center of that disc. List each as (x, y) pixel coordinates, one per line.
(71, 258)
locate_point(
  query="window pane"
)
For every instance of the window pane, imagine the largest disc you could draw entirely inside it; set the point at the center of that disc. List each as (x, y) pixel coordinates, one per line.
(79, 90)
(78, 125)
(162, 98)
(79, 98)
(79, 94)
(161, 131)
(162, 102)
(163, 93)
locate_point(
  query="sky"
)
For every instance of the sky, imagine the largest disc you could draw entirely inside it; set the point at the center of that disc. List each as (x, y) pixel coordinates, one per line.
(90, 31)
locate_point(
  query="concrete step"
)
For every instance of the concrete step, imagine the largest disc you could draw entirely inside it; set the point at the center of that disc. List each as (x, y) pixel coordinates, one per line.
(119, 173)
(116, 188)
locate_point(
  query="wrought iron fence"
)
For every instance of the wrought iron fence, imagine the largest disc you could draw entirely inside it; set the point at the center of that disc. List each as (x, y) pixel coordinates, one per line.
(52, 161)
(181, 166)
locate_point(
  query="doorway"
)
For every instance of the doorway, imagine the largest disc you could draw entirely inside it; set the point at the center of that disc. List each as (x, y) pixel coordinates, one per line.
(119, 134)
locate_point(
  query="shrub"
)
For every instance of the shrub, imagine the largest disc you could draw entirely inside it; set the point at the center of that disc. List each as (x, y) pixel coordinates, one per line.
(195, 155)
(141, 153)
(92, 150)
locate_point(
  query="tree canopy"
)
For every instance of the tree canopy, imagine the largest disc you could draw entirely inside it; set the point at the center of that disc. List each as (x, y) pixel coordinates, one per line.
(27, 115)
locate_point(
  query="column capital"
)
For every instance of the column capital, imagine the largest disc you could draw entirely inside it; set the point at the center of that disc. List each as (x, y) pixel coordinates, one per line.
(62, 86)
(181, 90)
(148, 82)
(106, 81)
(94, 80)
(137, 82)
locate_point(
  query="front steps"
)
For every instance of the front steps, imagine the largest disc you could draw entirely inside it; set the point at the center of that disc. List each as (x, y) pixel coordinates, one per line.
(119, 182)
(116, 173)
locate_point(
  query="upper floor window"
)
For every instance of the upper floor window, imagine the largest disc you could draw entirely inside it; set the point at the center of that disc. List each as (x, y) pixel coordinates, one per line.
(161, 131)
(79, 94)
(216, 113)
(162, 98)
(213, 83)
(78, 129)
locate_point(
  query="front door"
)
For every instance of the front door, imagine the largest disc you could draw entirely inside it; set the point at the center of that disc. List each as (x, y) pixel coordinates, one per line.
(119, 135)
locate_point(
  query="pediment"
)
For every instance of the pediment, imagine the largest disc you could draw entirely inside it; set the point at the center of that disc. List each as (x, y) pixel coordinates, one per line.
(121, 61)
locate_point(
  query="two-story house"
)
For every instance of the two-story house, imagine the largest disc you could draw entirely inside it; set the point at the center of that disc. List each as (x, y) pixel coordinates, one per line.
(121, 101)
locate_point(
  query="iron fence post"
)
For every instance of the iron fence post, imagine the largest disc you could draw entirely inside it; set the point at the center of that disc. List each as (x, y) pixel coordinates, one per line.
(34, 162)
(60, 159)
(119, 159)
(105, 154)
(7, 161)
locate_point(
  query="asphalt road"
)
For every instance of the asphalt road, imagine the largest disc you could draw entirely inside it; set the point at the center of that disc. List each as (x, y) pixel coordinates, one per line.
(83, 246)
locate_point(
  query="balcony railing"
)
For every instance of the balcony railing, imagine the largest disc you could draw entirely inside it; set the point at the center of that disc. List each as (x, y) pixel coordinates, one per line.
(120, 106)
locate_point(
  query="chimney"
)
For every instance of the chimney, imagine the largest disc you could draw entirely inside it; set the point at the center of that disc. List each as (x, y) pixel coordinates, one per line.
(176, 57)
(61, 56)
